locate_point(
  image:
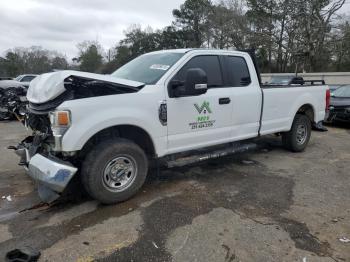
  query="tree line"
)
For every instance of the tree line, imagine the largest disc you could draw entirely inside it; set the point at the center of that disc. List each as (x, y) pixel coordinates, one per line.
(34, 60)
(288, 35)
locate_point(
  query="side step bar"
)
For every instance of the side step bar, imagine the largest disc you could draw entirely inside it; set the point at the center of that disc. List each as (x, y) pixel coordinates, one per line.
(200, 157)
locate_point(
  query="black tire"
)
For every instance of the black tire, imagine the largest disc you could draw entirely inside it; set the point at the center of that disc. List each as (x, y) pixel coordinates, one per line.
(95, 177)
(291, 140)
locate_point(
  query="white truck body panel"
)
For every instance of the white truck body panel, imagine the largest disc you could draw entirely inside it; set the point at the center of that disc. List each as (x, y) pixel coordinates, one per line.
(91, 115)
(232, 122)
(281, 105)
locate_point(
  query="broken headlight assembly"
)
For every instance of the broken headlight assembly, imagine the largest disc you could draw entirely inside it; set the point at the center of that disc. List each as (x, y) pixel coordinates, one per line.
(60, 123)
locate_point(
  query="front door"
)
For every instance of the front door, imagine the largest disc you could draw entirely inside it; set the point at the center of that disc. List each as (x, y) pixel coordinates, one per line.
(204, 120)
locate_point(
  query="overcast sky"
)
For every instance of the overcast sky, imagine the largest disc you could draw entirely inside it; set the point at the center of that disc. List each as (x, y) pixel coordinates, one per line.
(61, 24)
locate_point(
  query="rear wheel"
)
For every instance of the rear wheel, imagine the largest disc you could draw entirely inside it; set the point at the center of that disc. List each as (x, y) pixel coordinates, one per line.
(114, 171)
(297, 139)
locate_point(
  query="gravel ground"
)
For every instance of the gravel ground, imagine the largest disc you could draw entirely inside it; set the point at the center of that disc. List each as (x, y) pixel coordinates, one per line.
(267, 205)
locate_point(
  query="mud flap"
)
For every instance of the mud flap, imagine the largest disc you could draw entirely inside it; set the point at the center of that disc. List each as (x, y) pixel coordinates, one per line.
(320, 127)
(46, 194)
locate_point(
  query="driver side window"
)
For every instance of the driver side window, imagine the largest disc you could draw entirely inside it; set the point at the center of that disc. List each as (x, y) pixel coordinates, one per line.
(210, 64)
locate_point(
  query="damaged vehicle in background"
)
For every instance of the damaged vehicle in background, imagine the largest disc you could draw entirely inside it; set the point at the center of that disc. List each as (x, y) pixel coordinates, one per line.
(171, 107)
(13, 97)
(13, 103)
(339, 109)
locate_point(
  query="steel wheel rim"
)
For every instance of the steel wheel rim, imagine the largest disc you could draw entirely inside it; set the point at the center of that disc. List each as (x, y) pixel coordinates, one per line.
(119, 173)
(301, 134)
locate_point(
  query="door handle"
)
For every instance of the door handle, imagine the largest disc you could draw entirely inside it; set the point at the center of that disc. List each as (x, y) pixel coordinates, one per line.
(224, 101)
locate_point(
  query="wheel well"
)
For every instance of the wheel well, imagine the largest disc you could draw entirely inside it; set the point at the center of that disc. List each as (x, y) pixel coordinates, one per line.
(133, 133)
(308, 111)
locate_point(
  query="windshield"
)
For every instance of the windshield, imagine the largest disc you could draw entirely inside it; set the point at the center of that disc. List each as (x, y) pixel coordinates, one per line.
(18, 78)
(333, 87)
(279, 80)
(343, 91)
(148, 68)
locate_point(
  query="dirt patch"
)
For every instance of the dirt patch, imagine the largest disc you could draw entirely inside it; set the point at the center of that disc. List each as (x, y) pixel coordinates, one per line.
(42, 229)
(302, 237)
(161, 218)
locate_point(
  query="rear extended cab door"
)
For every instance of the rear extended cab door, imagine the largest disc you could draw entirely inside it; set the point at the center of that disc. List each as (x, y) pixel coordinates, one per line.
(241, 79)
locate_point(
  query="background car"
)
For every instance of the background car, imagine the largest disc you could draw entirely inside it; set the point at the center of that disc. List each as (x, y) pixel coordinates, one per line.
(285, 80)
(5, 78)
(339, 109)
(332, 88)
(21, 80)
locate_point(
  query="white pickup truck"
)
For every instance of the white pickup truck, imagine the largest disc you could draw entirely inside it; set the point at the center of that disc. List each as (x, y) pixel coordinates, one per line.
(165, 106)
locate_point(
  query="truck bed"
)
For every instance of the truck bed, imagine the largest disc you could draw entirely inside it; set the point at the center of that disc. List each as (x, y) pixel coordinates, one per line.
(281, 103)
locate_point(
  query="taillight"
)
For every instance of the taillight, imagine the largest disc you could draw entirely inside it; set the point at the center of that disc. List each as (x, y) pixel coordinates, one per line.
(328, 99)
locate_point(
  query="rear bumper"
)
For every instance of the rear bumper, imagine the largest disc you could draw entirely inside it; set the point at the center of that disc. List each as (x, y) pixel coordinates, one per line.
(52, 173)
(339, 115)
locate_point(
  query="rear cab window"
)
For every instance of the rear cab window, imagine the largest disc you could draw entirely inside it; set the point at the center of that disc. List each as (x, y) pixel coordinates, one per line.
(237, 71)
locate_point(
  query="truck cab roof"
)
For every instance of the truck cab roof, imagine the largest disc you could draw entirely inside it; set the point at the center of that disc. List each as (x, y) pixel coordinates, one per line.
(199, 50)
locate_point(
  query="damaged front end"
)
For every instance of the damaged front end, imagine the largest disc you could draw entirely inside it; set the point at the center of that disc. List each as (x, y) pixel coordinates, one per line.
(41, 153)
(51, 170)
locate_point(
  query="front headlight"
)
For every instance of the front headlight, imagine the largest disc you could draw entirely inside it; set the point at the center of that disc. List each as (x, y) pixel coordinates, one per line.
(60, 119)
(60, 122)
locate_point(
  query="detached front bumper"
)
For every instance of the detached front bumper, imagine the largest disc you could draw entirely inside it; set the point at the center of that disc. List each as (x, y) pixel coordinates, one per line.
(52, 173)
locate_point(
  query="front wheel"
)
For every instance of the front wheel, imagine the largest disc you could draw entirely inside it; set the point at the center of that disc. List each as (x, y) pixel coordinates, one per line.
(297, 139)
(114, 171)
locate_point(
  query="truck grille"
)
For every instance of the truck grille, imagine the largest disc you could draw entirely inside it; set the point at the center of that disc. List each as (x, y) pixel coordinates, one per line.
(39, 123)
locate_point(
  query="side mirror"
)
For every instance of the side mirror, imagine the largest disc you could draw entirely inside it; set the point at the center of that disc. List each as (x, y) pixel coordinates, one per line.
(196, 83)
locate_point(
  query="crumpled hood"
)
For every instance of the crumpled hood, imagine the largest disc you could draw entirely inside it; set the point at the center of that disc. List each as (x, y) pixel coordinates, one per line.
(48, 86)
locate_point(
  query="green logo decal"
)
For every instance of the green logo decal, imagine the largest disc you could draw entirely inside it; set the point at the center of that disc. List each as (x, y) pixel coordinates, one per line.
(204, 108)
(203, 120)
